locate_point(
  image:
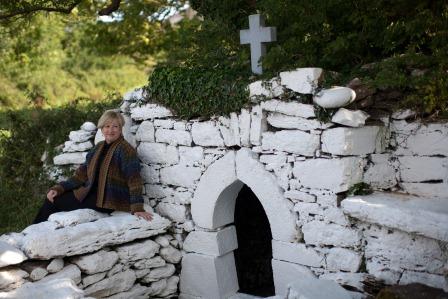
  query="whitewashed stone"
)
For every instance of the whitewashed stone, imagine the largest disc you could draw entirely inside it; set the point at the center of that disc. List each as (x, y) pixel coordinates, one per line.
(285, 273)
(382, 272)
(150, 174)
(273, 160)
(156, 153)
(80, 136)
(115, 269)
(419, 169)
(355, 280)
(55, 265)
(88, 126)
(269, 89)
(171, 254)
(229, 129)
(100, 261)
(381, 174)
(159, 273)
(439, 190)
(158, 191)
(334, 97)
(64, 219)
(335, 215)
(341, 259)
(69, 158)
(336, 175)
(145, 132)
(350, 141)
(136, 292)
(212, 243)
(13, 239)
(11, 278)
(138, 250)
(403, 114)
(149, 111)
(302, 80)
(308, 208)
(117, 283)
(350, 118)
(174, 212)
(182, 125)
(190, 155)
(71, 146)
(206, 134)
(258, 124)
(312, 288)
(292, 122)
(55, 289)
(91, 279)
(10, 255)
(208, 276)
(320, 233)
(149, 263)
(296, 195)
(289, 108)
(171, 286)
(296, 253)
(164, 123)
(422, 216)
(157, 287)
(291, 141)
(436, 281)
(180, 175)
(163, 241)
(173, 137)
(134, 95)
(244, 126)
(71, 271)
(38, 273)
(46, 243)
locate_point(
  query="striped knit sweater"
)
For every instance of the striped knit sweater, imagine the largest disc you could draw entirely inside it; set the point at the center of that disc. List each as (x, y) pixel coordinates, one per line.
(119, 182)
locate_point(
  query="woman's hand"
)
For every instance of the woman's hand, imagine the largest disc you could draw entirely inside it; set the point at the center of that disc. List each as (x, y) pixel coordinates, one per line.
(51, 195)
(144, 215)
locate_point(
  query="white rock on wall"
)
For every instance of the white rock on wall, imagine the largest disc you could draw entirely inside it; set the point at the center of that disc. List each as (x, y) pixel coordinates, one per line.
(297, 253)
(312, 288)
(180, 175)
(292, 122)
(302, 80)
(10, 255)
(206, 134)
(342, 259)
(137, 251)
(381, 174)
(171, 254)
(69, 158)
(334, 97)
(55, 289)
(148, 263)
(229, 129)
(88, 126)
(11, 278)
(350, 118)
(80, 136)
(176, 213)
(97, 262)
(71, 271)
(350, 141)
(419, 169)
(244, 125)
(297, 195)
(149, 111)
(38, 273)
(190, 156)
(173, 137)
(286, 273)
(159, 273)
(291, 141)
(64, 219)
(55, 265)
(258, 124)
(212, 243)
(150, 174)
(136, 292)
(114, 284)
(268, 89)
(71, 146)
(156, 153)
(171, 286)
(91, 279)
(355, 280)
(436, 281)
(439, 190)
(164, 123)
(145, 132)
(320, 233)
(289, 108)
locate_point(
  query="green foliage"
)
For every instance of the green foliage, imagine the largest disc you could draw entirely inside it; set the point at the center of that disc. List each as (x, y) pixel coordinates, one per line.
(29, 133)
(359, 189)
(193, 92)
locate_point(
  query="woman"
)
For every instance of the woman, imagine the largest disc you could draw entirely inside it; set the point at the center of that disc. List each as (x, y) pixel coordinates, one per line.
(108, 180)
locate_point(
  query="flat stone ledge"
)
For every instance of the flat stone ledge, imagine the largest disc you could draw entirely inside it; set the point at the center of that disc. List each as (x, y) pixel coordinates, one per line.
(423, 216)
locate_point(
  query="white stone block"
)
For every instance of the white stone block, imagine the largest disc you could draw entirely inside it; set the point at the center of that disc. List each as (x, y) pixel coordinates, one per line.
(158, 191)
(180, 175)
(55, 265)
(10, 255)
(286, 273)
(335, 215)
(350, 141)
(117, 283)
(176, 213)
(91, 279)
(269, 88)
(258, 124)
(293, 122)
(70, 158)
(244, 125)
(229, 129)
(355, 280)
(334, 97)
(419, 169)
(149, 111)
(136, 251)
(302, 80)
(150, 174)
(436, 281)
(320, 233)
(134, 95)
(11, 278)
(71, 146)
(38, 273)
(297, 253)
(145, 132)
(382, 271)
(297, 195)
(212, 243)
(100, 261)
(173, 137)
(208, 276)
(88, 126)
(71, 271)
(312, 288)
(206, 134)
(55, 289)
(341, 259)
(350, 118)
(148, 263)
(156, 153)
(289, 108)
(164, 123)
(64, 219)
(308, 209)
(171, 254)
(159, 273)
(190, 155)
(291, 141)
(171, 286)
(136, 292)
(336, 175)
(80, 136)
(380, 174)
(432, 190)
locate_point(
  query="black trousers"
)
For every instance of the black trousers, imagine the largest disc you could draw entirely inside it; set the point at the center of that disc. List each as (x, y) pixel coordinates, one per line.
(67, 202)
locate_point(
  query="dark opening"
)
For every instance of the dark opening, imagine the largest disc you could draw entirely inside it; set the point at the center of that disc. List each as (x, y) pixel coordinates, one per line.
(254, 254)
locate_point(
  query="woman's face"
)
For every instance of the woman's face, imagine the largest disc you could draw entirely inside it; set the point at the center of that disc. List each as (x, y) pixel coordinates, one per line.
(111, 131)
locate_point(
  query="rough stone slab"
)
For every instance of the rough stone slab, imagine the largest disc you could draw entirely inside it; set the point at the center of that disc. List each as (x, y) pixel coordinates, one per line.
(289, 108)
(180, 175)
(171, 286)
(382, 271)
(55, 265)
(71, 146)
(423, 216)
(11, 278)
(80, 136)
(159, 273)
(156, 153)
(229, 129)
(146, 263)
(436, 281)
(350, 118)
(55, 289)
(164, 123)
(157, 287)
(308, 208)
(173, 137)
(97, 262)
(342, 259)
(334, 97)
(291, 141)
(64, 219)
(117, 283)
(91, 279)
(69, 158)
(48, 242)
(297, 195)
(285, 273)
(208, 276)
(244, 125)
(150, 174)
(145, 132)
(355, 280)
(38, 273)
(134, 95)
(431, 190)
(420, 169)
(296, 253)
(292, 122)
(171, 254)
(350, 141)
(212, 243)
(10, 255)
(174, 212)
(258, 124)
(268, 89)
(320, 233)
(138, 250)
(335, 215)
(136, 292)
(71, 271)
(312, 288)
(149, 111)
(190, 155)
(380, 175)
(336, 175)
(206, 134)
(302, 80)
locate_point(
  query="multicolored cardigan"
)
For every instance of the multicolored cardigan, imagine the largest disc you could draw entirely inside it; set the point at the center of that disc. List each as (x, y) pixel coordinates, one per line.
(119, 184)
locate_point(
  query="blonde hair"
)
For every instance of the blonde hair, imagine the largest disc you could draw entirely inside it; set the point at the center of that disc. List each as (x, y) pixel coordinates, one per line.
(110, 115)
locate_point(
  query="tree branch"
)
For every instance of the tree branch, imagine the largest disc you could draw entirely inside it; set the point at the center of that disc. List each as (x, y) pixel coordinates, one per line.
(110, 9)
(32, 9)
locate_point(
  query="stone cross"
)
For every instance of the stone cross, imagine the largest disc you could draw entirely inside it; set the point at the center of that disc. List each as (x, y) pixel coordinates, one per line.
(257, 36)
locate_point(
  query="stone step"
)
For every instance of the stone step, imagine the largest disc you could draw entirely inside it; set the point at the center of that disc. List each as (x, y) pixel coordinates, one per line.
(412, 214)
